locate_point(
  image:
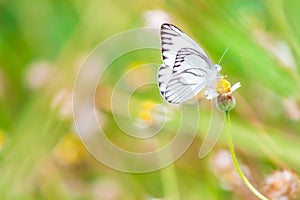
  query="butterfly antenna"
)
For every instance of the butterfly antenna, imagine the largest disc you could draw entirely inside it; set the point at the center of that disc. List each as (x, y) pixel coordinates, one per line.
(224, 54)
(229, 60)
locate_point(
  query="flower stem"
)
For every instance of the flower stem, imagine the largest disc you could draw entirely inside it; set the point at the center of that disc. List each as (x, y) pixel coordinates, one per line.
(240, 172)
(169, 182)
(168, 178)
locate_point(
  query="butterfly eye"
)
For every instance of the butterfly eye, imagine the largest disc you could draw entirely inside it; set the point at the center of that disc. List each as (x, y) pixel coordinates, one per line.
(217, 67)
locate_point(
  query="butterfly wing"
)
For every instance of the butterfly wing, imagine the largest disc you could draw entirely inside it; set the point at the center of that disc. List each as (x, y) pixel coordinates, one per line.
(179, 52)
(172, 40)
(188, 76)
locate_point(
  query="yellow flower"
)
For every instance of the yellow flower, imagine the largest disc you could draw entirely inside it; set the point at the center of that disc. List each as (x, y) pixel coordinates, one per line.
(144, 112)
(225, 101)
(223, 86)
(69, 150)
(220, 86)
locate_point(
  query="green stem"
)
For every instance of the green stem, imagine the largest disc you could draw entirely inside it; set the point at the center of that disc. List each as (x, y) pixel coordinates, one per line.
(240, 172)
(169, 182)
(168, 177)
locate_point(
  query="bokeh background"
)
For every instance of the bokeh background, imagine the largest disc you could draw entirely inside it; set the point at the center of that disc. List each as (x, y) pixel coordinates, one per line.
(42, 46)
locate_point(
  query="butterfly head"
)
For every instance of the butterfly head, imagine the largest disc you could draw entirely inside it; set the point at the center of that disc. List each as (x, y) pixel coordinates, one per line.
(217, 67)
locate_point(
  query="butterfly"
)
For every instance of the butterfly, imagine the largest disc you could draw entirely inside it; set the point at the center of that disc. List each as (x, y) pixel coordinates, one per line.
(186, 68)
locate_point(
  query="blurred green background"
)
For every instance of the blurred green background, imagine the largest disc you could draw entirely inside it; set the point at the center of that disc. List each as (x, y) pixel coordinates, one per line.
(42, 45)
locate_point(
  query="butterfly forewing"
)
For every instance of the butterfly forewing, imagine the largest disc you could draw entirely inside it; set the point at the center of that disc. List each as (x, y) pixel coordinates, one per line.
(172, 40)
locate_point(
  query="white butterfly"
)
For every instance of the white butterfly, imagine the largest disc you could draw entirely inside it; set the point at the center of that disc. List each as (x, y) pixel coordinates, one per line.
(186, 68)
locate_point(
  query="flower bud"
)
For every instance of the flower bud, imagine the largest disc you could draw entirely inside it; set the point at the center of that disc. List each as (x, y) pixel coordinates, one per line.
(225, 102)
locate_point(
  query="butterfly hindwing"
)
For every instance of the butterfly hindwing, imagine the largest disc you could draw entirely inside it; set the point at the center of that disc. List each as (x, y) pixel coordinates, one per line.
(188, 76)
(191, 61)
(165, 74)
(180, 88)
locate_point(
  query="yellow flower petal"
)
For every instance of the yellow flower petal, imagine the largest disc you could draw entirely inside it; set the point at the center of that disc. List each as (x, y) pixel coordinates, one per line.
(223, 86)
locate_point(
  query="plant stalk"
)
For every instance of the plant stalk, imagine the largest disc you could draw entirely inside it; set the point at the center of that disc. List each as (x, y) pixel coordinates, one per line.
(234, 159)
(169, 182)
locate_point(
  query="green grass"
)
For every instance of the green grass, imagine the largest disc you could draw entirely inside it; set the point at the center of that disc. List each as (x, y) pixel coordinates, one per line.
(63, 33)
